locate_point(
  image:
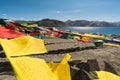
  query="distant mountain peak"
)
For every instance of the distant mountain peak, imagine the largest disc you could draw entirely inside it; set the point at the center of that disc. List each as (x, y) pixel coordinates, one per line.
(51, 23)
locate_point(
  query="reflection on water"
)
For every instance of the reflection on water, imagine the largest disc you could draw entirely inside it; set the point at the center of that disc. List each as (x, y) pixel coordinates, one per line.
(84, 28)
(102, 30)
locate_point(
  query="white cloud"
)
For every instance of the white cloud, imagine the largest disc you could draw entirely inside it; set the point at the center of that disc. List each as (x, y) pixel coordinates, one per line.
(58, 12)
(22, 18)
(12, 18)
(69, 11)
(4, 15)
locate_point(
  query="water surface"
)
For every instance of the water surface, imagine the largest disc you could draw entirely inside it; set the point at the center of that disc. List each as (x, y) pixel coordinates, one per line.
(102, 30)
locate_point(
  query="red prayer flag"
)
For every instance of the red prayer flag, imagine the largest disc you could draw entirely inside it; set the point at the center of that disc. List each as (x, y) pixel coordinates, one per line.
(7, 33)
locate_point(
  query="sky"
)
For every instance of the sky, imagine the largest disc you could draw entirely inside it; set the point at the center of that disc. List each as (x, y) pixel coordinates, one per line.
(92, 10)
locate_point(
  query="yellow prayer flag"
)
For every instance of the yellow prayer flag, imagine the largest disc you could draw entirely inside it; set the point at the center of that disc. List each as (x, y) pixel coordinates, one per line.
(27, 68)
(62, 69)
(104, 75)
(24, 45)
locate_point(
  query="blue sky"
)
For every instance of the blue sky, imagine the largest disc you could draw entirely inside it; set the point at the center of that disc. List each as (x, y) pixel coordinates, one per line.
(100, 10)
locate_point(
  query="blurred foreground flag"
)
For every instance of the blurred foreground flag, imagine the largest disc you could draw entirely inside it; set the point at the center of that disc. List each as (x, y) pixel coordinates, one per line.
(103, 75)
(6, 33)
(27, 68)
(24, 45)
(62, 69)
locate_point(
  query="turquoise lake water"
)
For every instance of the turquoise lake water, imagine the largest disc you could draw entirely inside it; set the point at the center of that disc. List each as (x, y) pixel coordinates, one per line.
(102, 30)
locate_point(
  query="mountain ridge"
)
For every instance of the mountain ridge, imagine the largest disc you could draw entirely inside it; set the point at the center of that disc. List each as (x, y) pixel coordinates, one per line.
(79, 23)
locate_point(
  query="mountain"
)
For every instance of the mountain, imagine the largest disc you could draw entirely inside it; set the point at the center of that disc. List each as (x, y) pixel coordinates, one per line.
(45, 22)
(57, 23)
(51, 23)
(78, 23)
(92, 23)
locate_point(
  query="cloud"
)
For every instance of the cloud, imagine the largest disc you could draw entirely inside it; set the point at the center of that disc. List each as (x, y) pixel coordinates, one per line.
(22, 18)
(12, 18)
(4, 15)
(58, 12)
(69, 11)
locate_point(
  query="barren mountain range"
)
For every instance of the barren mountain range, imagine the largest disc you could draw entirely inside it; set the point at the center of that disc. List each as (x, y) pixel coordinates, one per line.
(58, 23)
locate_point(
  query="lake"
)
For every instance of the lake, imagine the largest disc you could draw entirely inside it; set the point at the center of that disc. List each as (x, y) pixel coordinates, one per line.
(102, 30)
